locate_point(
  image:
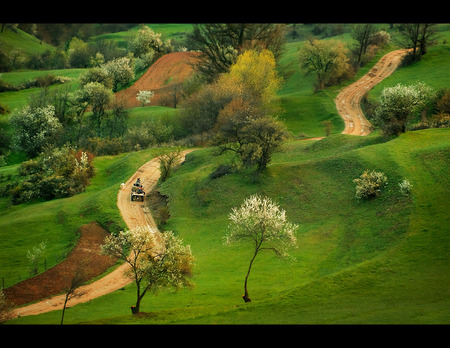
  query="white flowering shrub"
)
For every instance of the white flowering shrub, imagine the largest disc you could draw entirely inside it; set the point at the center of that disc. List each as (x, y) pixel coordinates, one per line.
(398, 105)
(369, 184)
(55, 173)
(34, 257)
(405, 187)
(144, 97)
(34, 128)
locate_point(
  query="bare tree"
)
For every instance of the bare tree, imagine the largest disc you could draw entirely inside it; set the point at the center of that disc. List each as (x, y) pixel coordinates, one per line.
(72, 290)
(418, 37)
(363, 33)
(168, 162)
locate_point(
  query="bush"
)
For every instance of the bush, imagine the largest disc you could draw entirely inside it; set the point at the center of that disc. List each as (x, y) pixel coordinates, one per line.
(221, 170)
(370, 184)
(34, 128)
(105, 146)
(56, 173)
(405, 187)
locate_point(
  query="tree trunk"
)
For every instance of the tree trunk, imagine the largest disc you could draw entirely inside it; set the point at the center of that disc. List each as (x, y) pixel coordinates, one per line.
(245, 296)
(64, 308)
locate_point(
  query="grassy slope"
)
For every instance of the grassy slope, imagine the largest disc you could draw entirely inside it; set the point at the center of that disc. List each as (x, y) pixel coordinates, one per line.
(57, 221)
(387, 264)
(378, 261)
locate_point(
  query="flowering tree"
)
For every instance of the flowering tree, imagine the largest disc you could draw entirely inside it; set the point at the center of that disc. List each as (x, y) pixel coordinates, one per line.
(145, 97)
(158, 261)
(263, 224)
(120, 70)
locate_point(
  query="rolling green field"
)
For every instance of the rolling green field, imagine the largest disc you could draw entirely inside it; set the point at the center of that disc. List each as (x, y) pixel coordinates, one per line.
(381, 261)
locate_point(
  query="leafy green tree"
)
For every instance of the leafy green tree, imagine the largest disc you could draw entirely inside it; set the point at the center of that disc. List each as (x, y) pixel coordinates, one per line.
(326, 59)
(157, 261)
(78, 53)
(253, 137)
(98, 97)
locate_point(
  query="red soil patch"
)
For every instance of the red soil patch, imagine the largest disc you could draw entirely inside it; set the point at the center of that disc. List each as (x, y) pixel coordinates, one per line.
(85, 255)
(163, 76)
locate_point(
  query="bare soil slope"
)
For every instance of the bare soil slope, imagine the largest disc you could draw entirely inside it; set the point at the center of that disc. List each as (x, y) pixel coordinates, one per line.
(348, 101)
(162, 77)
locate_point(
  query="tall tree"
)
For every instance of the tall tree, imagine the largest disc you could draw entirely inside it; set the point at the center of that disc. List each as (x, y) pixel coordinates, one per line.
(363, 33)
(326, 59)
(222, 43)
(157, 261)
(260, 222)
(418, 36)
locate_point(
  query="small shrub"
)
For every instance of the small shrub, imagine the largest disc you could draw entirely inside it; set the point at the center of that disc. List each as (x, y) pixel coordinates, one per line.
(221, 170)
(405, 187)
(162, 215)
(370, 184)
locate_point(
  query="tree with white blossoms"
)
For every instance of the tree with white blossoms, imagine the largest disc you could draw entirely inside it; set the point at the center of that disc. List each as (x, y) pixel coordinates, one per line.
(121, 71)
(260, 222)
(157, 261)
(144, 97)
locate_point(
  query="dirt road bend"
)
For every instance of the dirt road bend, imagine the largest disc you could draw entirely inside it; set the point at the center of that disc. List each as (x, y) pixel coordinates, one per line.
(349, 99)
(133, 214)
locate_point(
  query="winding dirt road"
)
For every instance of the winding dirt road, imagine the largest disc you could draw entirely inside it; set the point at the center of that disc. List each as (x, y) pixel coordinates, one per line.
(133, 214)
(348, 102)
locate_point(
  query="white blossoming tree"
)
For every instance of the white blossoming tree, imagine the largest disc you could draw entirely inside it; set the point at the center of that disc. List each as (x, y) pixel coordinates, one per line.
(157, 261)
(144, 97)
(260, 222)
(121, 71)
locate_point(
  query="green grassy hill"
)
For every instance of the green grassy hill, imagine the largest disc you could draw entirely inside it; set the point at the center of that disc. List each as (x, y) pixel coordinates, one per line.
(381, 261)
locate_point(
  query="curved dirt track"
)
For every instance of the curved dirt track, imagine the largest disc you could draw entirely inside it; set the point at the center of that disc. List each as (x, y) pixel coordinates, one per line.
(133, 214)
(348, 101)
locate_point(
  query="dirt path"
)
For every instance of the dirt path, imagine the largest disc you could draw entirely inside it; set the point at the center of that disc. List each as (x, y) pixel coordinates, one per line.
(134, 214)
(348, 101)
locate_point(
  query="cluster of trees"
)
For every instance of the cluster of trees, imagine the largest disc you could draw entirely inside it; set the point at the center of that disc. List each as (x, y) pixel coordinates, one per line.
(75, 50)
(239, 110)
(332, 62)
